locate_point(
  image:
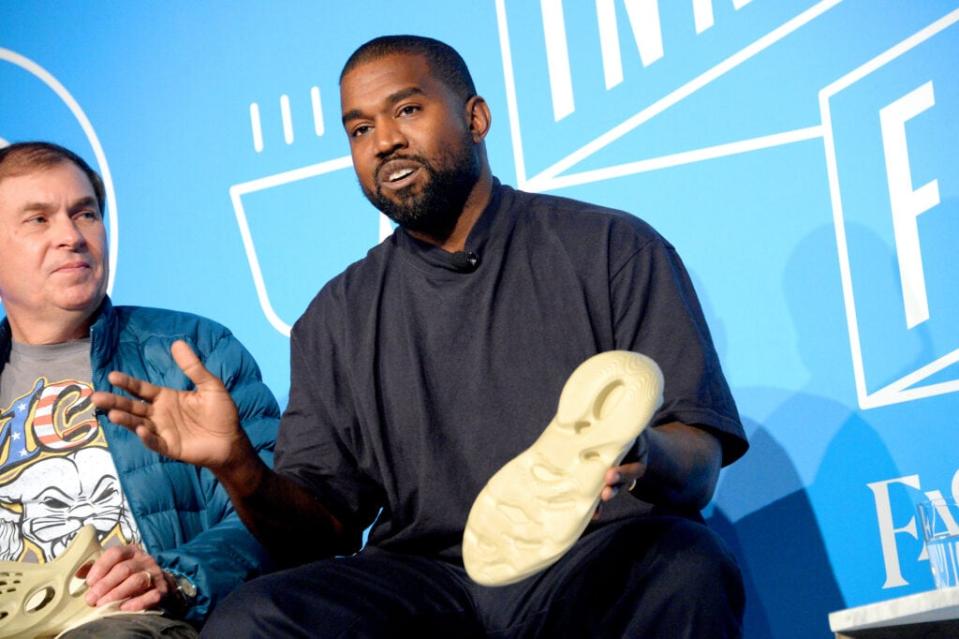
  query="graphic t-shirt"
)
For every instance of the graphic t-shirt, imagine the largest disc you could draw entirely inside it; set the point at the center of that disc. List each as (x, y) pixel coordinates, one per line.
(56, 474)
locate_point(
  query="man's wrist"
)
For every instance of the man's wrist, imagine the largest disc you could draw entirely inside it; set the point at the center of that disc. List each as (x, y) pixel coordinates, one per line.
(181, 595)
(243, 473)
(239, 460)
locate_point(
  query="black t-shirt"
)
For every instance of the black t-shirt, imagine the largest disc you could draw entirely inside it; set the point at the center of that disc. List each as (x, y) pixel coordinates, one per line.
(415, 377)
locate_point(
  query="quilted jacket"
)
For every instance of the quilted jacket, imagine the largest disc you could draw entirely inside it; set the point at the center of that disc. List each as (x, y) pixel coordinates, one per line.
(184, 516)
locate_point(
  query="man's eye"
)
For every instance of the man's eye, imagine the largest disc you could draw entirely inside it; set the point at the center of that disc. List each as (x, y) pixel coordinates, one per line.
(360, 131)
(90, 215)
(409, 109)
(37, 219)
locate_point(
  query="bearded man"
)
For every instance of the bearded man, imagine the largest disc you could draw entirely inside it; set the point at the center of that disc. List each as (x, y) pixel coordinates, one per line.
(426, 366)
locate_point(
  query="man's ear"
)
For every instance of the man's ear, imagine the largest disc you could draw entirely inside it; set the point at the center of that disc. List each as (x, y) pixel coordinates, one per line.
(478, 118)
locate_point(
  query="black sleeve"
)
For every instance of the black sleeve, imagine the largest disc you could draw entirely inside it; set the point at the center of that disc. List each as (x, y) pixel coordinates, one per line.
(314, 445)
(657, 313)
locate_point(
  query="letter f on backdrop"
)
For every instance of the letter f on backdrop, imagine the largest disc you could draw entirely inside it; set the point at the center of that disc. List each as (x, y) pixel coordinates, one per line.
(908, 203)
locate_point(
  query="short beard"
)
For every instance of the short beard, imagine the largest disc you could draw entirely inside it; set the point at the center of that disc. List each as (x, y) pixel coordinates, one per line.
(435, 210)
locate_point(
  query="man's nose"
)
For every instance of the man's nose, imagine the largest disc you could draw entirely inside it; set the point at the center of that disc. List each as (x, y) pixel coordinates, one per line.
(389, 137)
(68, 233)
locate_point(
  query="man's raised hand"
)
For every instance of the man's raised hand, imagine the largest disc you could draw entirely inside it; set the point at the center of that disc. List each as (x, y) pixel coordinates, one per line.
(199, 427)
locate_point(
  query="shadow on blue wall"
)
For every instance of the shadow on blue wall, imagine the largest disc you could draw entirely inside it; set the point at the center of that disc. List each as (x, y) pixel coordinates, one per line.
(804, 478)
(790, 588)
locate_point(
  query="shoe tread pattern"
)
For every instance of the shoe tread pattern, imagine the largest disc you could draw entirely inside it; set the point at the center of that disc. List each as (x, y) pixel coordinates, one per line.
(538, 504)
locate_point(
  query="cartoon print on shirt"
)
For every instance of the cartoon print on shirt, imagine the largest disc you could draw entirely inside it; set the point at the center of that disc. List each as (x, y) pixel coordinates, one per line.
(11, 541)
(50, 417)
(58, 500)
(46, 496)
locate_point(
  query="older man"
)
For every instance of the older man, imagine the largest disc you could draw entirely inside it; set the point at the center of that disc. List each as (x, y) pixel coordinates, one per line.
(173, 541)
(426, 366)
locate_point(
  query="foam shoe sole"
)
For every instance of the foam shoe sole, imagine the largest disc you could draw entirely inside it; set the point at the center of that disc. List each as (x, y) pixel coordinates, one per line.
(538, 504)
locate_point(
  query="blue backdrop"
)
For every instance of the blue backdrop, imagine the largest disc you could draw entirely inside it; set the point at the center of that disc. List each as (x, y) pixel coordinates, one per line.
(800, 154)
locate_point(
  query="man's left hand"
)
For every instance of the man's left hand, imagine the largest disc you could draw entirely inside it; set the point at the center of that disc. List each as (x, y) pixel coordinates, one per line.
(625, 476)
(127, 573)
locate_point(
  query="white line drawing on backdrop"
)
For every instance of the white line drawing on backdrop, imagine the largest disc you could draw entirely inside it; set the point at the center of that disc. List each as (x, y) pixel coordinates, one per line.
(57, 87)
(903, 389)
(689, 157)
(237, 191)
(703, 13)
(257, 128)
(286, 117)
(317, 105)
(552, 177)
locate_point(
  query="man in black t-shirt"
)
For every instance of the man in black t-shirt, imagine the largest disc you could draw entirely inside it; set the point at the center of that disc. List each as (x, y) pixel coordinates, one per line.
(430, 363)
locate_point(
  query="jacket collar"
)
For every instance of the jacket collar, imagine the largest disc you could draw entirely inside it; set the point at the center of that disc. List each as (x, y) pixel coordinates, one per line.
(103, 334)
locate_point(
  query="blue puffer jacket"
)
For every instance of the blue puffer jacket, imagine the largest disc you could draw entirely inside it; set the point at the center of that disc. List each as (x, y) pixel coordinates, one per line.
(184, 516)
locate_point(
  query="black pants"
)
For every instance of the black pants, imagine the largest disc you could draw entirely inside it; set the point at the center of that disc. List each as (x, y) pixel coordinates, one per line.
(648, 577)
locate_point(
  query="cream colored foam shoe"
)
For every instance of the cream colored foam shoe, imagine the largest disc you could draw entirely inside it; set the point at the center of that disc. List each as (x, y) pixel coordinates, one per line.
(537, 505)
(43, 600)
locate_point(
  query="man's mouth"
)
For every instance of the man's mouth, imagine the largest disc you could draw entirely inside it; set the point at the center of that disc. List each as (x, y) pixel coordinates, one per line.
(72, 267)
(396, 174)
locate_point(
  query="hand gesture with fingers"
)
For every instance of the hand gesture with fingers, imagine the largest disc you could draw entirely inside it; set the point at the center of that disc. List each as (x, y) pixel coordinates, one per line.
(199, 427)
